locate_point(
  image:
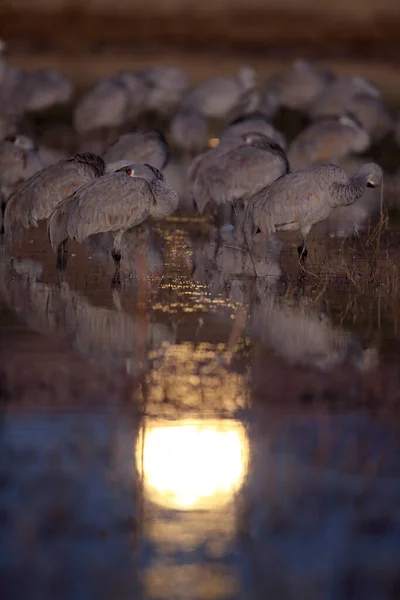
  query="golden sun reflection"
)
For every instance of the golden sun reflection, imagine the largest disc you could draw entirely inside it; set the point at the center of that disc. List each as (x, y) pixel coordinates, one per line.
(193, 464)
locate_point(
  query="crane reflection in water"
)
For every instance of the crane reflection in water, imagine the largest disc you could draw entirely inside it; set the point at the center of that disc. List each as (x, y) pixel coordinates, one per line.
(192, 465)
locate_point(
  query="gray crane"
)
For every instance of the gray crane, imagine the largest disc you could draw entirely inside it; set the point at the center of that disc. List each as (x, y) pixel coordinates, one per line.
(300, 199)
(327, 141)
(374, 115)
(255, 122)
(145, 147)
(236, 169)
(344, 221)
(225, 97)
(36, 199)
(359, 97)
(110, 103)
(166, 88)
(334, 99)
(297, 86)
(116, 202)
(44, 88)
(19, 160)
(189, 130)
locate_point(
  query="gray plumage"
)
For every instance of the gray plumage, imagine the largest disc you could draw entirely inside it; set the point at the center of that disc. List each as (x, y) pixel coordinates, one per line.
(111, 103)
(373, 113)
(145, 147)
(189, 130)
(19, 160)
(166, 88)
(344, 221)
(253, 123)
(236, 169)
(300, 199)
(116, 202)
(297, 86)
(36, 198)
(327, 141)
(44, 88)
(334, 99)
(225, 97)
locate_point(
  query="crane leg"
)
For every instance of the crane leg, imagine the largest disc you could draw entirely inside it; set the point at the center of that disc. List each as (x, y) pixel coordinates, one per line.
(3, 210)
(116, 281)
(302, 251)
(116, 254)
(62, 256)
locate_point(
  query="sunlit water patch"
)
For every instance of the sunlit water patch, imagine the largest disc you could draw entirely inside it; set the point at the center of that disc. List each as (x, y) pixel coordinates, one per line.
(192, 471)
(192, 465)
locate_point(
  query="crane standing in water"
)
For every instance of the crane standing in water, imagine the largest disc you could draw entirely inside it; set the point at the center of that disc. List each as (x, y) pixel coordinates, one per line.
(37, 198)
(116, 202)
(300, 199)
(236, 169)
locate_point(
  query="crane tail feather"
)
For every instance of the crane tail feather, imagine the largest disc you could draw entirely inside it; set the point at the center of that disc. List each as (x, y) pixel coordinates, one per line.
(57, 228)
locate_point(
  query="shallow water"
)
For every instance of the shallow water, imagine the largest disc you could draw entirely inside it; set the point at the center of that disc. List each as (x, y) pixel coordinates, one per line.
(243, 461)
(196, 434)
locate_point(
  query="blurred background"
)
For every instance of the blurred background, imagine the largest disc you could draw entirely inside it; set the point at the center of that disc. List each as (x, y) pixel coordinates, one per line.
(275, 29)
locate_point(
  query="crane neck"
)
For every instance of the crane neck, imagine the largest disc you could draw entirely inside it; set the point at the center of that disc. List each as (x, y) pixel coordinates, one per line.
(350, 192)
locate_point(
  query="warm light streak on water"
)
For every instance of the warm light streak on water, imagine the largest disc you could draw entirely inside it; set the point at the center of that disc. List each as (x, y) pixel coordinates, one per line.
(194, 464)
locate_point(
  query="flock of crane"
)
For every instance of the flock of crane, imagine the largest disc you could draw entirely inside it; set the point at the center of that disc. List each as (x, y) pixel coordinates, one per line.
(117, 174)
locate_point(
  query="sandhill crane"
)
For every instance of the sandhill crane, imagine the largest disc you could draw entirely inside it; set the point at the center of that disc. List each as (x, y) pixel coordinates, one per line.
(300, 199)
(44, 88)
(335, 98)
(176, 174)
(189, 130)
(145, 147)
(253, 123)
(327, 141)
(373, 114)
(298, 85)
(110, 103)
(236, 169)
(116, 202)
(225, 97)
(36, 199)
(166, 88)
(344, 221)
(19, 160)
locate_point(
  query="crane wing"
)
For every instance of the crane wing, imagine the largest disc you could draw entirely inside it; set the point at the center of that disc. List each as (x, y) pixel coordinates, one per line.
(113, 202)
